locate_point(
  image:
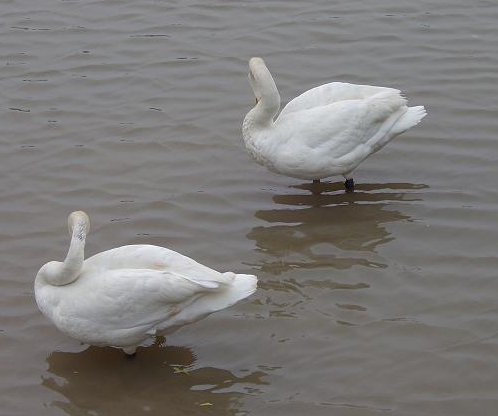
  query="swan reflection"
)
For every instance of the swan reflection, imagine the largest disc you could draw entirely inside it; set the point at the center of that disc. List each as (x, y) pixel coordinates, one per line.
(158, 381)
(328, 227)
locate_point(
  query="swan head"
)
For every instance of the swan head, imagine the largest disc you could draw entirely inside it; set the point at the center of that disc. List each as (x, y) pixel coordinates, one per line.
(262, 83)
(78, 218)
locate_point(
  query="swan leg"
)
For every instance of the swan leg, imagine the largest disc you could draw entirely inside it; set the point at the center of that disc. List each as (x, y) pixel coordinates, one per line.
(316, 188)
(349, 183)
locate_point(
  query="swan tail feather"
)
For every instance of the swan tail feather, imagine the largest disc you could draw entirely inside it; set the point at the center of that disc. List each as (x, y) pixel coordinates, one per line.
(392, 100)
(224, 282)
(241, 286)
(238, 287)
(411, 118)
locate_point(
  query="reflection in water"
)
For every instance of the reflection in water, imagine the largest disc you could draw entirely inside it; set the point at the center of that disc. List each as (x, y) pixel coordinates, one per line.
(334, 229)
(158, 381)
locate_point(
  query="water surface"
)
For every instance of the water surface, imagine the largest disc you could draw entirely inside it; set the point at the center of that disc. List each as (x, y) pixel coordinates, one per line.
(379, 302)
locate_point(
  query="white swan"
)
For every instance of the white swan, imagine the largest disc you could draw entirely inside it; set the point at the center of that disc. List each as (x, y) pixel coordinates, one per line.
(122, 297)
(325, 131)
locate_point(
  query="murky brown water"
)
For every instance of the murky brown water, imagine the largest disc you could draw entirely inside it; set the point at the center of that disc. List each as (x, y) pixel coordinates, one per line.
(384, 301)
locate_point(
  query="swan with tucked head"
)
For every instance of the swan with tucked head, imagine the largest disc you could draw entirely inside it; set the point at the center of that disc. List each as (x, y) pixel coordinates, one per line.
(123, 297)
(326, 131)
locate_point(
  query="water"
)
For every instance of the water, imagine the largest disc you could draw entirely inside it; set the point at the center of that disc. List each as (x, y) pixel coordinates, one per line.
(379, 302)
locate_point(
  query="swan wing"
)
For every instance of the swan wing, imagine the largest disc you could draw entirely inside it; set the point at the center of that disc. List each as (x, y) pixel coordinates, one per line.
(338, 129)
(142, 286)
(125, 299)
(331, 93)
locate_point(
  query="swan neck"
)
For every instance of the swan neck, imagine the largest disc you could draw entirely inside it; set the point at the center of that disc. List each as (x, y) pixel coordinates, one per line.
(270, 103)
(68, 271)
(266, 93)
(260, 116)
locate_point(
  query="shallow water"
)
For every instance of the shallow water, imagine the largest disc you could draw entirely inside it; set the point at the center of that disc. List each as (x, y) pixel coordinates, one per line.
(381, 301)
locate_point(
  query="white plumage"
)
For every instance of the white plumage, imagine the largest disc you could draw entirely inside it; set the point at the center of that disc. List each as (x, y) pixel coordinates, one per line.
(122, 297)
(326, 131)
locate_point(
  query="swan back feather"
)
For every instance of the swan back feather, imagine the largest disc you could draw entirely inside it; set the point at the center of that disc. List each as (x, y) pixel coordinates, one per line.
(331, 93)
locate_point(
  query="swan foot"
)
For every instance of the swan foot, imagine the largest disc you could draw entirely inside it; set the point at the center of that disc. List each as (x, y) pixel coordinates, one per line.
(349, 185)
